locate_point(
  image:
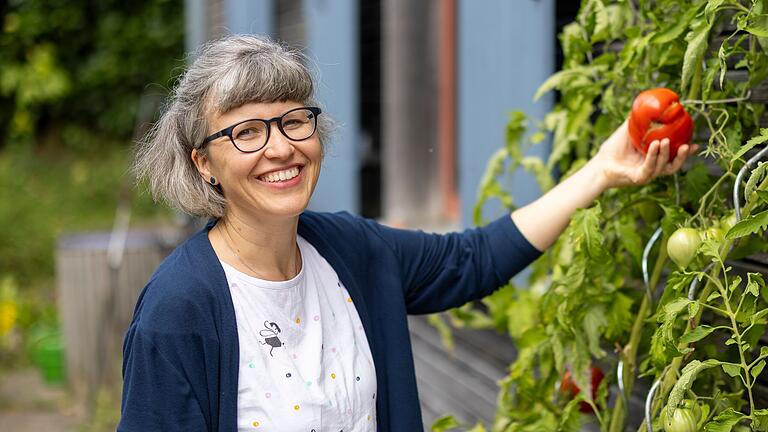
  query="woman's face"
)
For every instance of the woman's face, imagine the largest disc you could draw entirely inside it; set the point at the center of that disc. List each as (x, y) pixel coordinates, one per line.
(274, 182)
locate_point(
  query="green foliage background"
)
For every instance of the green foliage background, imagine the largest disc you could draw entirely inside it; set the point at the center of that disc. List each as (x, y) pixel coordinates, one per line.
(71, 77)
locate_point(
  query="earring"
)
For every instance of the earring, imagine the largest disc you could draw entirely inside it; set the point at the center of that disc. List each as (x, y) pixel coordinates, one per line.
(213, 180)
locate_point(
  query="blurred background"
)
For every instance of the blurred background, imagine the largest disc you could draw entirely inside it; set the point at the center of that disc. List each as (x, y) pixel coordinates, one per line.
(422, 90)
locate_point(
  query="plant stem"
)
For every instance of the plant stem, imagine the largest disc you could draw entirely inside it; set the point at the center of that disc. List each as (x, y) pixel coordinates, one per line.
(629, 353)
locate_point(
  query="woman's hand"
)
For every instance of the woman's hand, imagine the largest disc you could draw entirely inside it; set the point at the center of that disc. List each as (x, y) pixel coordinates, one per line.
(620, 164)
(617, 163)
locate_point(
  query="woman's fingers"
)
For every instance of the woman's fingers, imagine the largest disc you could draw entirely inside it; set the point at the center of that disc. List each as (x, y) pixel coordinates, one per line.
(649, 164)
(663, 159)
(682, 154)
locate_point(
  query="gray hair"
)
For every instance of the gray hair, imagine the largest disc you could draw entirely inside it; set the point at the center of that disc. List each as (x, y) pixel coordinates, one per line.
(227, 73)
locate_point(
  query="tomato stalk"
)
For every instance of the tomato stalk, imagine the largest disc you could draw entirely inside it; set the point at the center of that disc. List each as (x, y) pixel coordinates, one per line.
(629, 353)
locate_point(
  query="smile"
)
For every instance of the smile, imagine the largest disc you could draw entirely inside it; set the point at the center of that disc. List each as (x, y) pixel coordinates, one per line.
(280, 176)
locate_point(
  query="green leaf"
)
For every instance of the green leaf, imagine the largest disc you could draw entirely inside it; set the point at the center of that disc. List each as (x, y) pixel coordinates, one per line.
(762, 195)
(673, 308)
(443, 329)
(751, 225)
(735, 282)
(758, 318)
(558, 79)
(696, 334)
(759, 139)
(602, 22)
(732, 369)
(594, 321)
(711, 8)
(761, 419)
(536, 166)
(698, 40)
(757, 175)
(754, 284)
(630, 238)
(445, 423)
(757, 29)
(725, 421)
(587, 233)
(678, 27)
(688, 376)
(755, 371)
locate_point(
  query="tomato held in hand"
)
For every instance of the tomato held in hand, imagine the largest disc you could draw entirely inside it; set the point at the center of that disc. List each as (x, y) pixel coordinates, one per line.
(658, 114)
(569, 387)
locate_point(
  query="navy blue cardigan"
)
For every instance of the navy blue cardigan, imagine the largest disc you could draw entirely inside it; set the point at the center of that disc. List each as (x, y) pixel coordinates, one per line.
(180, 365)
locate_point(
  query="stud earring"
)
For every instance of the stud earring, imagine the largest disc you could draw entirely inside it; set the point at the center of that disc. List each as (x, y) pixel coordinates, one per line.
(213, 180)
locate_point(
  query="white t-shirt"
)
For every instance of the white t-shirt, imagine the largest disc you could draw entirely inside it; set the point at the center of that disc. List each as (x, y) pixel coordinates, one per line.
(305, 363)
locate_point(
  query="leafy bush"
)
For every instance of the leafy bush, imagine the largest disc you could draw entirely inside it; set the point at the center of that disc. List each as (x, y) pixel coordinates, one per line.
(73, 69)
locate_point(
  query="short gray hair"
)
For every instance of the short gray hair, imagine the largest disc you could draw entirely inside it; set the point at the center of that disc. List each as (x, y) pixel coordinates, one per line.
(227, 73)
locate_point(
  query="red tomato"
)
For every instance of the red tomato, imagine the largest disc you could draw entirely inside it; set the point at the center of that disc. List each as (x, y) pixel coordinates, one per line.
(568, 386)
(658, 114)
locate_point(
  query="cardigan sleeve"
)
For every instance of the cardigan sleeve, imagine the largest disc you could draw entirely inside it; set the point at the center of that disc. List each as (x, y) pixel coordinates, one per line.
(443, 271)
(157, 396)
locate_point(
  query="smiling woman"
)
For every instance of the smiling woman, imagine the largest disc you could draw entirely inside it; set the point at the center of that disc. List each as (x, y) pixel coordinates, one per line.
(279, 318)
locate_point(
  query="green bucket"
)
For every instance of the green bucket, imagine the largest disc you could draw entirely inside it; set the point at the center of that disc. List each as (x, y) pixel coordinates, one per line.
(47, 353)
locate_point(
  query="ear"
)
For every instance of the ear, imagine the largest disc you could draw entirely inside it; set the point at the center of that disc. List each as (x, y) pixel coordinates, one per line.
(202, 163)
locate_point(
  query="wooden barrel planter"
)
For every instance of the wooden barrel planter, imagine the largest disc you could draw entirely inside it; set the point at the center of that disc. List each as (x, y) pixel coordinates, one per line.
(95, 303)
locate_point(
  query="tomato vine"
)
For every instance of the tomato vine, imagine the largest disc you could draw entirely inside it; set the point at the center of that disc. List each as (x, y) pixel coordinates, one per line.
(586, 303)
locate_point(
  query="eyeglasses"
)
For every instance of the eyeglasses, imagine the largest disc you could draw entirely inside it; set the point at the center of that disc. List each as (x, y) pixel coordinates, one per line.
(252, 135)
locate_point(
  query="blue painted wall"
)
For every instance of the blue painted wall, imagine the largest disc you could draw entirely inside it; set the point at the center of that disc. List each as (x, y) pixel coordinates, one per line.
(249, 16)
(332, 43)
(506, 50)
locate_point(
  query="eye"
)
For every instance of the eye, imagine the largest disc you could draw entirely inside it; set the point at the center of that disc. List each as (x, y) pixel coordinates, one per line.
(293, 123)
(248, 131)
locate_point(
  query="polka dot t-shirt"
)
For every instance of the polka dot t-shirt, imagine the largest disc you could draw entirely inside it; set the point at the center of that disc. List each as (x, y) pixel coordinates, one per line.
(305, 363)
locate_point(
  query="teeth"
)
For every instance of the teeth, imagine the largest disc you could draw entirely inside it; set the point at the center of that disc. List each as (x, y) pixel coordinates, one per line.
(280, 175)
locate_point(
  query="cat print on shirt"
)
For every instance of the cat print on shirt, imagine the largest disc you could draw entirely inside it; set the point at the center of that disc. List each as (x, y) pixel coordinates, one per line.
(270, 332)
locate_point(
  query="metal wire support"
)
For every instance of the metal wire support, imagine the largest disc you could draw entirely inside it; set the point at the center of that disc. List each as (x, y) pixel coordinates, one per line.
(646, 252)
(622, 390)
(740, 176)
(648, 403)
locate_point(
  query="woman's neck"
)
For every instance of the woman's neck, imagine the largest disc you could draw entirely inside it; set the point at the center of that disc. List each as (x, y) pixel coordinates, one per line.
(264, 249)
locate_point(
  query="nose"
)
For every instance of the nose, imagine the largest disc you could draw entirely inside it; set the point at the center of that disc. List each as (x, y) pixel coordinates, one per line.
(278, 146)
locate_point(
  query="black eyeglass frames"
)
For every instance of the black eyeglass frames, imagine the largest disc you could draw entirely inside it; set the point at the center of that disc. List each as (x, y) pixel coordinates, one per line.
(252, 135)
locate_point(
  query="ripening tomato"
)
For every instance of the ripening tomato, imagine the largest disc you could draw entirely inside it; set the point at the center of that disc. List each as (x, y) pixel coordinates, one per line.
(658, 114)
(684, 418)
(682, 246)
(569, 387)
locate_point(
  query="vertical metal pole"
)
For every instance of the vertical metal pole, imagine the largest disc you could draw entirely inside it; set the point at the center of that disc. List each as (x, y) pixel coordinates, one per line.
(446, 106)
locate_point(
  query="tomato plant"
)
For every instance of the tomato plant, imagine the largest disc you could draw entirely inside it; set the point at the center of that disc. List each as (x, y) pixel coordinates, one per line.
(658, 114)
(569, 388)
(604, 292)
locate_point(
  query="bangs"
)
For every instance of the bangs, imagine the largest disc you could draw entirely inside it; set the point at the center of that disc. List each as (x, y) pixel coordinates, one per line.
(261, 79)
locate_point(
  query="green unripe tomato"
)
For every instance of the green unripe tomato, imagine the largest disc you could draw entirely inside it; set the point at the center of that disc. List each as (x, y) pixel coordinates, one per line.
(693, 406)
(714, 233)
(681, 420)
(728, 222)
(682, 246)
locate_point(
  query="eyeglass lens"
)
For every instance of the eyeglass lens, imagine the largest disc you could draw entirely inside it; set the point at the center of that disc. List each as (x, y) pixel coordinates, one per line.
(296, 125)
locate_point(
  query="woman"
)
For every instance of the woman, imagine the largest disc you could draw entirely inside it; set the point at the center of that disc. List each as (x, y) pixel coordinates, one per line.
(275, 318)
